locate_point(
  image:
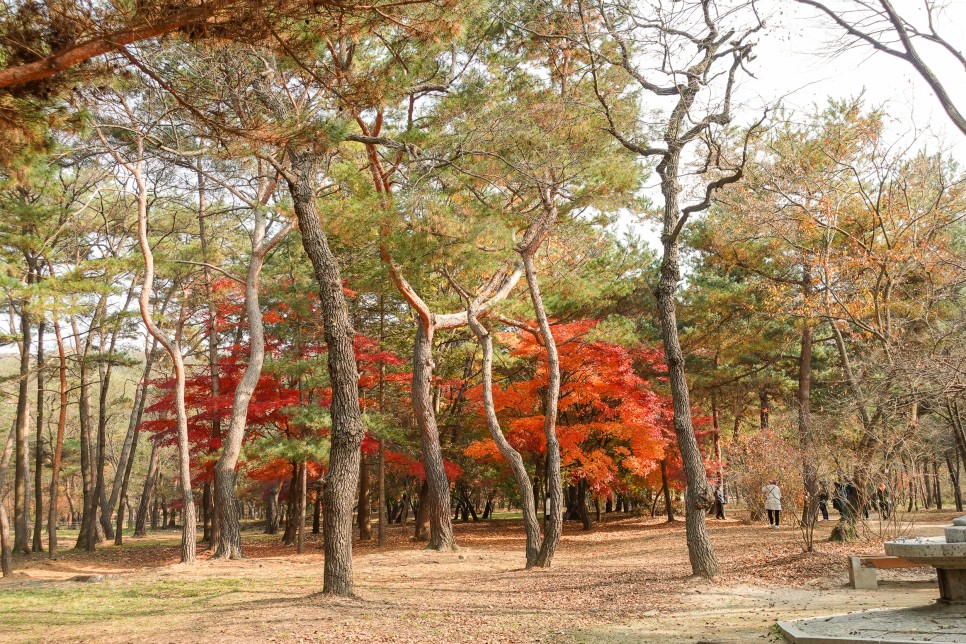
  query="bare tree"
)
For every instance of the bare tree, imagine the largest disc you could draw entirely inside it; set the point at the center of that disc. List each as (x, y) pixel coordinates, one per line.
(687, 55)
(877, 24)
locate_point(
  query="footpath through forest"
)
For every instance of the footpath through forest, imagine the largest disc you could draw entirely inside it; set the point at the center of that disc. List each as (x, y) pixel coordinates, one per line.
(627, 580)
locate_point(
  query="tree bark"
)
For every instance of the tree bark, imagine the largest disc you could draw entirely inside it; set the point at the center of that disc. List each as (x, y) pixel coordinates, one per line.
(141, 518)
(531, 526)
(347, 428)
(6, 547)
(806, 442)
(21, 530)
(58, 444)
(38, 543)
(228, 530)
(437, 484)
(363, 518)
(668, 506)
(189, 528)
(554, 527)
(704, 562)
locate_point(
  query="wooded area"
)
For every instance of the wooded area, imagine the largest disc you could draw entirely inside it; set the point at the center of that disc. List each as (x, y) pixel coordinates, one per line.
(347, 272)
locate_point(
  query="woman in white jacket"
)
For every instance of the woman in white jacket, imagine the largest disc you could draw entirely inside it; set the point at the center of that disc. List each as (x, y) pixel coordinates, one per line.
(773, 503)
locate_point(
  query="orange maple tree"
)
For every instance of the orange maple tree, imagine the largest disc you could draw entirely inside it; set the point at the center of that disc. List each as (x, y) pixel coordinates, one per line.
(611, 414)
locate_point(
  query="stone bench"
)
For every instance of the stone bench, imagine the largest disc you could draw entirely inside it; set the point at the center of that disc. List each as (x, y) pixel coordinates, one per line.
(862, 569)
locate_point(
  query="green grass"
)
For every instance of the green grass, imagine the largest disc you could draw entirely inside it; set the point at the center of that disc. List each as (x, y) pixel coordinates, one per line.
(110, 601)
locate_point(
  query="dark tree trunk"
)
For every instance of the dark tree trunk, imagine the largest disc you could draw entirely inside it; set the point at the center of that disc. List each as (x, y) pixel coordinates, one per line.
(347, 428)
(954, 480)
(704, 562)
(140, 520)
(803, 398)
(363, 518)
(422, 515)
(668, 506)
(317, 512)
(21, 528)
(38, 542)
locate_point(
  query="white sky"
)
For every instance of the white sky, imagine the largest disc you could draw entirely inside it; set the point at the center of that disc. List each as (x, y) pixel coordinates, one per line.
(793, 65)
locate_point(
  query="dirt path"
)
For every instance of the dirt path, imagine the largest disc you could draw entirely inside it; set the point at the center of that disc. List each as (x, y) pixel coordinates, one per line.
(625, 581)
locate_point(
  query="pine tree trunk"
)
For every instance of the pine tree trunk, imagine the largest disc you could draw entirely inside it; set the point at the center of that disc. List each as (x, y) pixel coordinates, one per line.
(422, 514)
(806, 443)
(58, 444)
(141, 518)
(437, 502)
(704, 562)
(21, 530)
(38, 542)
(531, 526)
(347, 428)
(6, 547)
(363, 518)
(554, 527)
(303, 484)
(84, 421)
(666, 489)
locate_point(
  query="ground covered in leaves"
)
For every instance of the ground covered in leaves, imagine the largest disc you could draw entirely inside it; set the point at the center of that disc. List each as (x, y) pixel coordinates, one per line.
(627, 580)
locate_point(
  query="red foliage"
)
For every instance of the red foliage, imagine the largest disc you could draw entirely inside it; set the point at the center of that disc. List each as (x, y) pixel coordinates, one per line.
(612, 422)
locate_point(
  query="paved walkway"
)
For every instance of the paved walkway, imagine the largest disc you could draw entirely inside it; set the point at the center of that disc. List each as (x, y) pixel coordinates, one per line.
(932, 623)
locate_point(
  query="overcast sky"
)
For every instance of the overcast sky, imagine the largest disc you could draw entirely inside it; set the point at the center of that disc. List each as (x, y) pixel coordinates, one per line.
(794, 66)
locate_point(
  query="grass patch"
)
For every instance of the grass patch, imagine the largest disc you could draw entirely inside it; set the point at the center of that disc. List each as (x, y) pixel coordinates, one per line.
(116, 602)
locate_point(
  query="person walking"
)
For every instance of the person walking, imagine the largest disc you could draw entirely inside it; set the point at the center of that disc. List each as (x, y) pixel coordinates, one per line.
(719, 503)
(773, 503)
(882, 500)
(823, 502)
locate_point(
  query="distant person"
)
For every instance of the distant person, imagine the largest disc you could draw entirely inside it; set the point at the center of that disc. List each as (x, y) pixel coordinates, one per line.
(773, 503)
(823, 503)
(882, 500)
(719, 503)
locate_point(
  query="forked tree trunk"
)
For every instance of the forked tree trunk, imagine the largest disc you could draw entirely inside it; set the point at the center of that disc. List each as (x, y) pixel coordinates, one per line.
(347, 428)
(697, 497)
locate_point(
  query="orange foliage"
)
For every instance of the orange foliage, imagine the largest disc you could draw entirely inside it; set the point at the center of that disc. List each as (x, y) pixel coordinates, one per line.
(610, 416)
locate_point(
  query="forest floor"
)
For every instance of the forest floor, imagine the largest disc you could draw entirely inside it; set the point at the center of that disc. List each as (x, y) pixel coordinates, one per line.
(625, 581)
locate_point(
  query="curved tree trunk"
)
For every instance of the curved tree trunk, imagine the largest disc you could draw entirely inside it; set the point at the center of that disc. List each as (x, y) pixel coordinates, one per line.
(189, 527)
(228, 532)
(554, 483)
(531, 526)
